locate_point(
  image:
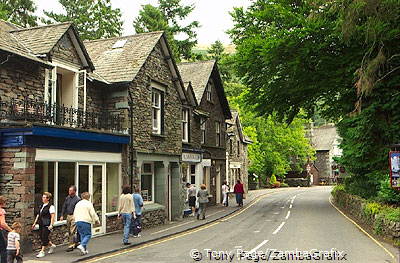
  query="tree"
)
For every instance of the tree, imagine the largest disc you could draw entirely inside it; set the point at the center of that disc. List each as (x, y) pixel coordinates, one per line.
(19, 12)
(340, 58)
(168, 17)
(94, 19)
(216, 50)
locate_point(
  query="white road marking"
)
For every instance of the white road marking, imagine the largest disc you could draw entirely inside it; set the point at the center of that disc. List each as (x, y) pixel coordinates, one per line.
(276, 213)
(282, 207)
(268, 220)
(238, 246)
(291, 205)
(288, 214)
(279, 228)
(257, 247)
(257, 231)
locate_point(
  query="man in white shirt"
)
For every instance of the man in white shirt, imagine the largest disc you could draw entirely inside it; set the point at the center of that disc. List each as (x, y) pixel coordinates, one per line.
(85, 216)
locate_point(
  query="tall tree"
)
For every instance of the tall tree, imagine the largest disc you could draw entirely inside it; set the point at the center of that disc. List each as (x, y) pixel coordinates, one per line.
(168, 17)
(94, 19)
(216, 50)
(20, 12)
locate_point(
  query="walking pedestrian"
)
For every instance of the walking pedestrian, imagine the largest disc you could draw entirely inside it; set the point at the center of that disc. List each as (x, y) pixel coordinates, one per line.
(238, 189)
(225, 192)
(126, 211)
(14, 247)
(191, 197)
(85, 216)
(202, 195)
(137, 222)
(3, 228)
(45, 218)
(68, 210)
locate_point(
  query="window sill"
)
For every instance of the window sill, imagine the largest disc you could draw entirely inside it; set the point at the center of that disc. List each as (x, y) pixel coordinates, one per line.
(152, 207)
(159, 135)
(110, 214)
(56, 224)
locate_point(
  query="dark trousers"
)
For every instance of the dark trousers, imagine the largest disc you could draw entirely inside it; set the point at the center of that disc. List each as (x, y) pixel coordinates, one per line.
(135, 230)
(44, 233)
(3, 247)
(239, 199)
(12, 255)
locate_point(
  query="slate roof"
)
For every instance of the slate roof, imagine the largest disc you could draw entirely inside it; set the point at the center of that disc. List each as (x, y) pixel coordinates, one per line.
(236, 121)
(121, 64)
(10, 43)
(323, 137)
(198, 73)
(41, 39)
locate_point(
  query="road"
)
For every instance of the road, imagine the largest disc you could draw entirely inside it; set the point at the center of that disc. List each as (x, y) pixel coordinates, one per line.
(296, 220)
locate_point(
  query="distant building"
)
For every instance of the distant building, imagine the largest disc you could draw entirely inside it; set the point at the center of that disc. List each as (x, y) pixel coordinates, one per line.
(326, 140)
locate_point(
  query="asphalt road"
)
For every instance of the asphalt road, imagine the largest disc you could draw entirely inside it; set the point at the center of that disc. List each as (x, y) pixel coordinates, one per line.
(296, 225)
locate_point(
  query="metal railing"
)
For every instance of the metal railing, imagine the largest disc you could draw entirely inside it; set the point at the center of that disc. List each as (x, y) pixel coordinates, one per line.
(29, 110)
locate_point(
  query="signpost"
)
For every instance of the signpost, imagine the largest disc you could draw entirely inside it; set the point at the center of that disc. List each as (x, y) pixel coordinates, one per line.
(394, 167)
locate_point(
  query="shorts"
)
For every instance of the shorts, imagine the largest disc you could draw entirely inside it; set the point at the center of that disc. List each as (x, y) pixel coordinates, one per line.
(192, 201)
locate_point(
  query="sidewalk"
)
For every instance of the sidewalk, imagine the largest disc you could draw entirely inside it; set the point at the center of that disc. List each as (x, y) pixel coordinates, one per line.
(113, 242)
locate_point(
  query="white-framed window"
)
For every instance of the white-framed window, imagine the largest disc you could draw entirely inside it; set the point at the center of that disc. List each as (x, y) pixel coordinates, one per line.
(185, 125)
(147, 182)
(209, 91)
(217, 133)
(157, 104)
(203, 130)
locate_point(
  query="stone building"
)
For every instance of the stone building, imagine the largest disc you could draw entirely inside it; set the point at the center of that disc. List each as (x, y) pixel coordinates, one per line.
(98, 114)
(54, 128)
(145, 81)
(237, 162)
(212, 112)
(326, 140)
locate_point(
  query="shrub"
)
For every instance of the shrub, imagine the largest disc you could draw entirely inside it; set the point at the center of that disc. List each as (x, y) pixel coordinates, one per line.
(284, 185)
(272, 180)
(387, 194)
(371, 209)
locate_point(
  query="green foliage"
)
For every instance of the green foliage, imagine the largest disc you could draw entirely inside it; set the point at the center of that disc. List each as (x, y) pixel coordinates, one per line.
(378, 225)
(216, 50)
(20, 12)
(94, 19)
(272, 180)
(338, 188)
(387, 194)
(372, 209)
(335, 60)
(168, 17)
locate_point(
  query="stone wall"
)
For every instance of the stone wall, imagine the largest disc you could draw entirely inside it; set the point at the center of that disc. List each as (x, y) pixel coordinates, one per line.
(20, 78)
(323, 164)
(17, 184)
(156, 69)
(354, 206)
(65, 51)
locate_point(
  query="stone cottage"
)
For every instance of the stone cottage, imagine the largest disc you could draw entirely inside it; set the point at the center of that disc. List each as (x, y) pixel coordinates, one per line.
(146, 84)
(54, 128)
(213, 111)
(237, 162)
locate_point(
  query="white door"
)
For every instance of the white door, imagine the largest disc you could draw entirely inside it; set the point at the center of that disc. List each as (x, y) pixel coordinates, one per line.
(92, 179)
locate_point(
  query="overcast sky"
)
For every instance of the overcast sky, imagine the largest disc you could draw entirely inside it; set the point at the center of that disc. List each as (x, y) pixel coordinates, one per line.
(213, 15)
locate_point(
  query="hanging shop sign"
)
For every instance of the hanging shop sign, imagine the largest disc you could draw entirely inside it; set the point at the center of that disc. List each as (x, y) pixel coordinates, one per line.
(394, 166)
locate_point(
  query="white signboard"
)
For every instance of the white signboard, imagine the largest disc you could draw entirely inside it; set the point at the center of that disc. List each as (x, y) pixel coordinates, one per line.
(235, 165)
(206, 162)
(191, 157)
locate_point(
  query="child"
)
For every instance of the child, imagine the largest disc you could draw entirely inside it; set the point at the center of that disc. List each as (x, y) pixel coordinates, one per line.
(13, 248)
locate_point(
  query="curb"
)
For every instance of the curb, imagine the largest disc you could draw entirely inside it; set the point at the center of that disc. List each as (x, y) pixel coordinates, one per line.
(83, 259)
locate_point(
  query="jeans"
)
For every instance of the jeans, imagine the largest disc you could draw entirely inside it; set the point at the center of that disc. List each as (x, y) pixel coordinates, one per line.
(202, 210)
(239, 199)
(11, 256)
(136, 222)
(127, 220)
(85, 232)
(3, 247)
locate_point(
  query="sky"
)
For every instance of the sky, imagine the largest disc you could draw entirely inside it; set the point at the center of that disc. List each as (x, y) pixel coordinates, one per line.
(213, 15)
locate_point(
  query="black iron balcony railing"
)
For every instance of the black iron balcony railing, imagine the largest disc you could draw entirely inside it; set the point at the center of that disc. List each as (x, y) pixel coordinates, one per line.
(53, 114)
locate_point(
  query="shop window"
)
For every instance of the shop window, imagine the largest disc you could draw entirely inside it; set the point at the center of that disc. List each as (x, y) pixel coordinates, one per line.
(112, 187)
(147, 182)
(66, 178)
(44, 180)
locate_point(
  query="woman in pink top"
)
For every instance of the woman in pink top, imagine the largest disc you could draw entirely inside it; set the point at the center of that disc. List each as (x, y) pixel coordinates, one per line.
(3, 227)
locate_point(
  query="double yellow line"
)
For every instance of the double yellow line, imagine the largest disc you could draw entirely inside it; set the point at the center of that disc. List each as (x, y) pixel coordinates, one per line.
(188, 232)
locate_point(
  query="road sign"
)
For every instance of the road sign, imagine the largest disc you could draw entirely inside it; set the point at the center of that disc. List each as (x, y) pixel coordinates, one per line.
(394, 167)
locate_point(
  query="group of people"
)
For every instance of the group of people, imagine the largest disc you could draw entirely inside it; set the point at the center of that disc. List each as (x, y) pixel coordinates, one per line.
(202, 197)
(79, 214)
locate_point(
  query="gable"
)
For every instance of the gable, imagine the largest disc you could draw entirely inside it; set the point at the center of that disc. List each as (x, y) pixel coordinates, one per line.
(65, 51)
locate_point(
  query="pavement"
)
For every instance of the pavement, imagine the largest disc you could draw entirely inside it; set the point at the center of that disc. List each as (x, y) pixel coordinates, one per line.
(282, 226)
(112, 243)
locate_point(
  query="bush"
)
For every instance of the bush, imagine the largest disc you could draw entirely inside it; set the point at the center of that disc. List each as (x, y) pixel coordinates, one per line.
(371, 209)
(284, 185)
(272, 180)
(387, 194)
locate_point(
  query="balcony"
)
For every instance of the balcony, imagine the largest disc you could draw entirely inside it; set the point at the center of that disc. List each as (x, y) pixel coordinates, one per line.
(28, 110)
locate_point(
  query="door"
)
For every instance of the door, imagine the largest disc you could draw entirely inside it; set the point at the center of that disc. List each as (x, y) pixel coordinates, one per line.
(91, 178)
(218, 185)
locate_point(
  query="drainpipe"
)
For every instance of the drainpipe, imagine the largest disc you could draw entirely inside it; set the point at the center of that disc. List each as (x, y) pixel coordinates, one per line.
(131, 134)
